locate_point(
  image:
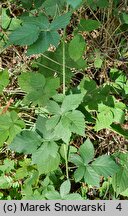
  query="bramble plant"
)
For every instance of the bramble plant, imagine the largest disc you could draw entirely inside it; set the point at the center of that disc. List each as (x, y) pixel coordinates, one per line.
(43, 153)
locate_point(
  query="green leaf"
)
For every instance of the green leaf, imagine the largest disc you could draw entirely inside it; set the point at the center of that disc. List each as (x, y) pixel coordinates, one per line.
(79, 173)
(77, 160)
(29, 194)
(21, 173)
(38, 89)
(125, 193)
(4, 80)
(91, 177)
(25, 35)
(50, 148)
(120, 180)
(5, 182)
(120, 105)
(7, 166)
(104, 119)
(52, 62)
(122, 157)
(44, 41)
(71, 102)
(98, 62)
(75, 3)
(5, 19)
(33, 178)
(53, 195)
(31, 81)
(119, 115)
(86, 151)
(73, 196)
(76, 52)
(103, 4)
(61, 21)
(38, 3)
(56, 66)
(118, 129)
(74, 121)
(52, 122)
(9, 22)
(72, 150)
(94, 96)
(65, 188)
(125, 17)
(99, 3)
(24, 169)
(105, 166)
(27, 3)
(46, 157)
(26, 142)
(126, 88)
(53, 107)
(40, 46)
(52, 8)
(62, 132)
(15, 23)
(41, 21)
(10, 125)
(87, 85)
(41, 128)
(88, 25)
(121, 80)
(64, 193)
(52, 84)
(58, 98)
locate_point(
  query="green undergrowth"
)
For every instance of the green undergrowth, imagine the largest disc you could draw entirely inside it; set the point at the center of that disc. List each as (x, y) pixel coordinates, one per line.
(54, 107)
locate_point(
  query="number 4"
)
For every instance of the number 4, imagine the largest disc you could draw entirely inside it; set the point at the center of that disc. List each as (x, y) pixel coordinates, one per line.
(119, 207)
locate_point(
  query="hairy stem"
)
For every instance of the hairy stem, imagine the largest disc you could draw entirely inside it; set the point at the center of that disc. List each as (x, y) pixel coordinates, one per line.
(64, 65)
(66, 159)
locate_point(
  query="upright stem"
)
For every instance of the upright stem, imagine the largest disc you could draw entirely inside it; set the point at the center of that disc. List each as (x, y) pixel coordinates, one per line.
(66, 146)
(64, 65)
(66, 160)
(64, 77)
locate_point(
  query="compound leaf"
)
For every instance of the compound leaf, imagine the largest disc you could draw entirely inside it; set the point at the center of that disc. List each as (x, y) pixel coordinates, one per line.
(91, 177)
(77, 160)
(25, 35)
(45, 39)
(47, 159)
(71, 102)
(74, 121)
(120, 180)
(61, 21)
(62, 132)
(26, 142)
(53, 8)
(79, 173)
(104, 119)
(53, 107)
(52, 122)
(38, 89)
(31, 81)
(40, 21)
(10, 125)
(86, 151)
(105, 166)
(75, 3)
